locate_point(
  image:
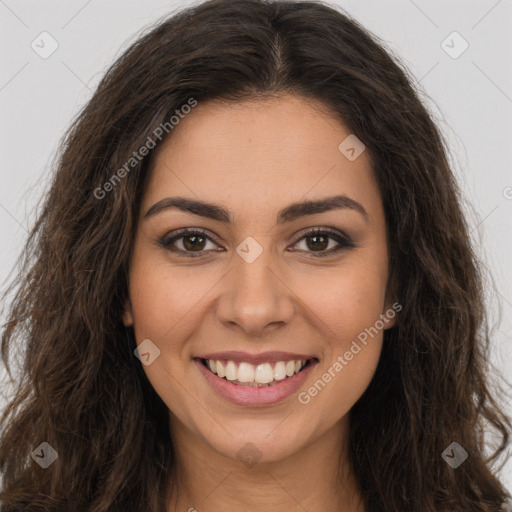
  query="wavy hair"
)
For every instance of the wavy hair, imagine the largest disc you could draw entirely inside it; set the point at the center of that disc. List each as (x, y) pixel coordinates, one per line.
(81, 389)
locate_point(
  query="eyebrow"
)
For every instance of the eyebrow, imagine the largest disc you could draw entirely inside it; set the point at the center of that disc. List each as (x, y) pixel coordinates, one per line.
(288, 214)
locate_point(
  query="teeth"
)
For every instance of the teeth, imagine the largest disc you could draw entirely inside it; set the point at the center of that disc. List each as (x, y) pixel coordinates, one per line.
(221, 371)
(290, 368)
(231, 371)
(246, 372)
(280, 371)
(264, 374)
(255, 375)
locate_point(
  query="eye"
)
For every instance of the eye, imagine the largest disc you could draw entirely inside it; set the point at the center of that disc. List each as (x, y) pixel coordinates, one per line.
(320, 238)
(194, 241)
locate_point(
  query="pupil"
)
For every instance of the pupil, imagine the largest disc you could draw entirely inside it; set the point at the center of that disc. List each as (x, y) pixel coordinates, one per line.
(316, 244)
(194, 244)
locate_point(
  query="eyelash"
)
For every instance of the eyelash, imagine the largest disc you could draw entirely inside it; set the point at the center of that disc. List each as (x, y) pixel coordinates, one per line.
(344, 241)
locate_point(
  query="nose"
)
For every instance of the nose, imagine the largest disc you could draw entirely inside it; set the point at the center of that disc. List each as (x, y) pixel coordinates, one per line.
(254, 298)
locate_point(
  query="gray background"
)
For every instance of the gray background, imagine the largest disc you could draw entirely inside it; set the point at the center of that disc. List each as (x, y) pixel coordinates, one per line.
(470, 96)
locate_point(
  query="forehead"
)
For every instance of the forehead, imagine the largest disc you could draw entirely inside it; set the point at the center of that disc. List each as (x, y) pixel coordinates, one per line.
(255, 153)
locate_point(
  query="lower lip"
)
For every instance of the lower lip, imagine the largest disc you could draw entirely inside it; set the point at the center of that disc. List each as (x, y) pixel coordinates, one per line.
(251, 396)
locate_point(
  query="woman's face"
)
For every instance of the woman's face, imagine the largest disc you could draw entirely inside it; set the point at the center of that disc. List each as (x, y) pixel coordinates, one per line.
(251, 292)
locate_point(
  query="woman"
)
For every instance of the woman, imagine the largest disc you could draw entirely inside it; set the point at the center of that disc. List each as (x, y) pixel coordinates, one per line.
(251, 286)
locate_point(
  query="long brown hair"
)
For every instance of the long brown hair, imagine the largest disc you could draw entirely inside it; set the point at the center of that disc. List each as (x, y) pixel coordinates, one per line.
(82, 390)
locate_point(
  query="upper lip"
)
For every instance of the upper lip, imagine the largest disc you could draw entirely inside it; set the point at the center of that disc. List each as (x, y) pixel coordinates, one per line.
(263, 357)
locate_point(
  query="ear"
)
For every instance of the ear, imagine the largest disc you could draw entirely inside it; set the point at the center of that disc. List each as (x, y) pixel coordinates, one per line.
(128, 313)
(390, 313)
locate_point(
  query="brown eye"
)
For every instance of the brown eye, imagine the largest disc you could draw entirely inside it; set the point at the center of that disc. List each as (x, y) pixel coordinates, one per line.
(191, 241)
(194, 242)
(317, 241)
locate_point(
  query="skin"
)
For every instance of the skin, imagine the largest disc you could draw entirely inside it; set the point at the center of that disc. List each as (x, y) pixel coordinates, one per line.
(255, 158)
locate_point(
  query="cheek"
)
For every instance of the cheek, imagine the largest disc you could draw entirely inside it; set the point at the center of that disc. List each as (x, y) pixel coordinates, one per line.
(350, 307)
(165, 307)
(164, 298)
(349, 302)
(348, 298)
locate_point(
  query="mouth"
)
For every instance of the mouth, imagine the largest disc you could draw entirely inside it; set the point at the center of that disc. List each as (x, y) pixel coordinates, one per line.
(242, 373)
(265, 381)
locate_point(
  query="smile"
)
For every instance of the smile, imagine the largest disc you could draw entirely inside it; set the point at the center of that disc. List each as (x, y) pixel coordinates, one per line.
(260, 375)
(255, 384)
